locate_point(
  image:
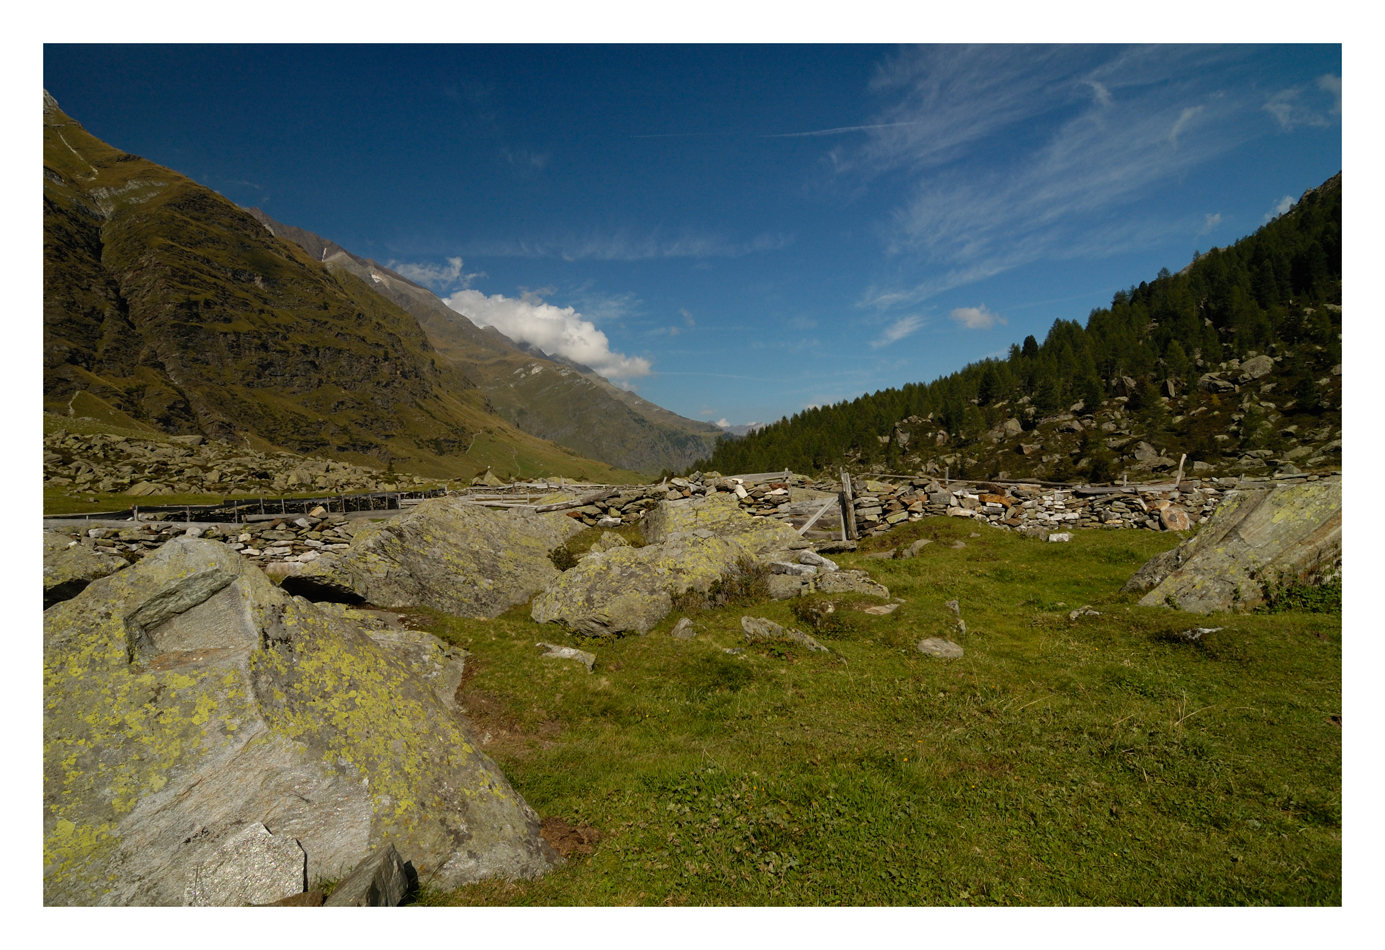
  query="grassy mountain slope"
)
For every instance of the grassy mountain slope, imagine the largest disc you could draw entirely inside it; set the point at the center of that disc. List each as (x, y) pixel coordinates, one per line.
(1234, 361)
(173, 307)
(548, 397)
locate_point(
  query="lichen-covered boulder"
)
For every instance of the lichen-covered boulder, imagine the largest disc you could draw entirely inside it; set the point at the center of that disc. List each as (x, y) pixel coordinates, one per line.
(69, 566)
(446, 554)
(720, 515)
(693, 542)
(1289, 533)
(627, 589)
(187, 699)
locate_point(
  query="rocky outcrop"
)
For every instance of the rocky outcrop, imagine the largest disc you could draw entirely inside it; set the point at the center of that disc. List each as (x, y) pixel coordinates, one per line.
(187, 700)
(444, 553)
(69, 566)
(1286, 534)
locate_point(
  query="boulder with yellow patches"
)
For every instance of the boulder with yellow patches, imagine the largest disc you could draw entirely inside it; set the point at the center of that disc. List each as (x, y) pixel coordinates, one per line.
(1258, 536)
(446, 554)
(187, 698)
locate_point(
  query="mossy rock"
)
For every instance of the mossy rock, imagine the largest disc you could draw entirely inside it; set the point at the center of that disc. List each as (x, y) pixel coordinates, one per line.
(188, 697)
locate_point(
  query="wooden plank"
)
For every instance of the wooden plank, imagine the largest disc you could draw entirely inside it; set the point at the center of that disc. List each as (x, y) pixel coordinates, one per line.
(848, 510)
(822, 511)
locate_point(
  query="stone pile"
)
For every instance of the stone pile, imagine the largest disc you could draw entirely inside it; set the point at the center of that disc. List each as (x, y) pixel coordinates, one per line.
(290, 538)
(190, 464)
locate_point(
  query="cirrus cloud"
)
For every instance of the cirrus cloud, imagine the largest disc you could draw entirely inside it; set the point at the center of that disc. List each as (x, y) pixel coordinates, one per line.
(561, 331)
(435, 275)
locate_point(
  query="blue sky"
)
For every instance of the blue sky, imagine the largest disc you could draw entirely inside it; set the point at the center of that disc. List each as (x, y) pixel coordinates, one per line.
(738, 232)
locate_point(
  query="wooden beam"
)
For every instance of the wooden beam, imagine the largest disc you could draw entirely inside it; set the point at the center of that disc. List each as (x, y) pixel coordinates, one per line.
(821, 511)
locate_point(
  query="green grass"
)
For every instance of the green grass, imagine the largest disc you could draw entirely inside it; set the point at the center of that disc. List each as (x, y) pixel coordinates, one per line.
(1096, 761)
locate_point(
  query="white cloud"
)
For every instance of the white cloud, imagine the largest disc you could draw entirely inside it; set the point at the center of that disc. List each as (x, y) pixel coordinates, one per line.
(1282, 207)
(525, 160)
(561, 331)
(723, 423)
(1100, 94)
(688, 318)
(1213, 220)
(976, 318)
(898, 330)
(433, 275)
(1299, 106)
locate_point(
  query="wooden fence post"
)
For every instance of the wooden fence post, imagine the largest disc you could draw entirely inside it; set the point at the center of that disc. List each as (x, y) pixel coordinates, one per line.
(848, 509)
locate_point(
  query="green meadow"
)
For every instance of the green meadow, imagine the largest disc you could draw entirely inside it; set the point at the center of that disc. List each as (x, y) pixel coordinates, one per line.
(1102, 760)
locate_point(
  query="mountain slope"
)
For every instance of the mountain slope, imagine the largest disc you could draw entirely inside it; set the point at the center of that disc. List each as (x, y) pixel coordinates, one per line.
(547, 396)
(1234, 361)
(176, 308)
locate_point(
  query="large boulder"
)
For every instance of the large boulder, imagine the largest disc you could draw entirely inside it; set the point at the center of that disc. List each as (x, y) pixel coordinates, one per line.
(69, 566)
(187, 699)
(1289, 533)
(693, 542)
(445, 553)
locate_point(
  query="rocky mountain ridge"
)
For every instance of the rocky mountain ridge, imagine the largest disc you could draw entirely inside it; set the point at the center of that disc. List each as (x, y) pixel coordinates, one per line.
(547, 396)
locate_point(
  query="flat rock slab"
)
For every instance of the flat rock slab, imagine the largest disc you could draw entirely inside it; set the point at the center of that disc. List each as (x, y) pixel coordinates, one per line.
(880, 610)
(936, 646)
(850, 582)
(568, 653)
(1288, 533)
(762, 629)
(252, 867)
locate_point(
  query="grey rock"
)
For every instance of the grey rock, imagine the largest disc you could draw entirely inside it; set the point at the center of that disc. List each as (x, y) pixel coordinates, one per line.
(913, 549)
(632, 589)
(784, 586)
(1060, 536)
(229, 710)
(380, 880)
(936, 646)
(251, 867)
(1256, 367)
(459, 558)
(568, 653)
(814, 559)
(849, 582)
(1290, 532)
(1174, 518)
(683, 630)
(793, 570)
(761, 629)
(1084, 611)
(69, 566)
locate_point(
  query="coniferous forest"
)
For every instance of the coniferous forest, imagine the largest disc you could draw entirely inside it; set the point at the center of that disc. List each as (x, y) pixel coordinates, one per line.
(1275, 292)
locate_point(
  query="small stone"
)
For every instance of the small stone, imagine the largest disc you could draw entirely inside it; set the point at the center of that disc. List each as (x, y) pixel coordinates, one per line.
(957, 545)
(1060, 536)
(817, 560)
(1084, 611)
(683, 630)
(881, 610)
(913, 549)
(936, 646)
(568, 653)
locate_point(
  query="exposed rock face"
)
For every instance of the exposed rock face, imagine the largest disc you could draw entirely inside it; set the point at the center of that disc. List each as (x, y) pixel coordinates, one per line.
(187, 699)
(693, 543)
(69, 566)
(460, 558)
(1290, 532)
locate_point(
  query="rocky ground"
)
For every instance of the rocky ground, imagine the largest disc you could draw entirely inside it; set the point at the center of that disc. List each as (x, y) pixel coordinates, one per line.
(191, 464)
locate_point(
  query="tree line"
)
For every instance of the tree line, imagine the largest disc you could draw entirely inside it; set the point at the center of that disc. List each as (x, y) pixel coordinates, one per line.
(1265, 293)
